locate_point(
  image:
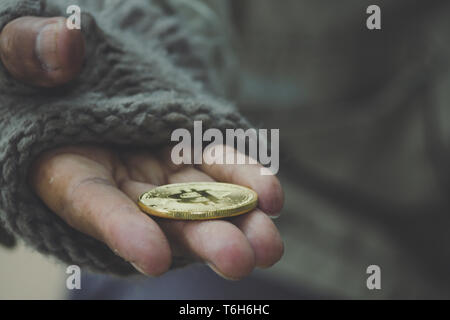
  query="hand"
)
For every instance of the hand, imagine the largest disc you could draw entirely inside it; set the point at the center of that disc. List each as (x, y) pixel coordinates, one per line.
(42, 51)
(94, 189)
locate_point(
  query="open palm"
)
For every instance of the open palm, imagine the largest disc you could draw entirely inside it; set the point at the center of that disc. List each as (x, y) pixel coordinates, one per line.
(94, 189)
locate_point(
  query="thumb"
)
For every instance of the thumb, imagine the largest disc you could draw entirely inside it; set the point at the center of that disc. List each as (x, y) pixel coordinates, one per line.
(42, 51)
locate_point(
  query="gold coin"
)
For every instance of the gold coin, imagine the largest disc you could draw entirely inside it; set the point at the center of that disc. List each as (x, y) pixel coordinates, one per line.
(198, 201)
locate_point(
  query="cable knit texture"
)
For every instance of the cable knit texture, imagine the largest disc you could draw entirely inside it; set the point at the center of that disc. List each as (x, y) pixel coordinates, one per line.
(141, 80)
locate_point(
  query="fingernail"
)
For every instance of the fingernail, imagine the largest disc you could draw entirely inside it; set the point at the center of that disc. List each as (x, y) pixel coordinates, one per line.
(214, 268)
(138, 268)
(47, 46)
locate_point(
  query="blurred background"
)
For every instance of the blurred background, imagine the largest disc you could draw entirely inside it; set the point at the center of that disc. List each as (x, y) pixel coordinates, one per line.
(364, 126)
(25, 274)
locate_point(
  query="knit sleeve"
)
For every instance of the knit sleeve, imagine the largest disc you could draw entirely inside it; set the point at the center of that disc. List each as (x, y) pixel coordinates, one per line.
(130, 93)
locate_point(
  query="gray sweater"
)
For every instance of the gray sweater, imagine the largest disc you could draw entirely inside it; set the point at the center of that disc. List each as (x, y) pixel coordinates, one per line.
(145, 75)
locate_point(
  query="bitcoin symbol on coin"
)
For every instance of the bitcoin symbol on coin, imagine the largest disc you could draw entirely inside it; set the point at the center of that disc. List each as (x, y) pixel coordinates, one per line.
(196, 196)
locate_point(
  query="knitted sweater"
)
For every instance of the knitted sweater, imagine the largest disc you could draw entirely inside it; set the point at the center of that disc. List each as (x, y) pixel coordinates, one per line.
(143, 77)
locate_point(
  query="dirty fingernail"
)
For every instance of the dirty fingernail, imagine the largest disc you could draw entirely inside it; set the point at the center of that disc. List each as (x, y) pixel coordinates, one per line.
(47, 46)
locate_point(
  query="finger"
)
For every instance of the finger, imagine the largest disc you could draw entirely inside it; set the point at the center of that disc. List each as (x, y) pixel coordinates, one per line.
(267, 187)
(263, 236)
(83, 193)
(42, 51)
(219, 243)
(144, 167)
(259, 229)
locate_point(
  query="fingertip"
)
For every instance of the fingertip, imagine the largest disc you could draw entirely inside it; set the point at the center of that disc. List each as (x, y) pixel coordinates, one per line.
(140, 241)
(270, 195)
(234, 259)
(268, 254)
(250, 174)
(268, 246)
(273, 196)
(60, 51)
(42, 51)
(263, 236)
